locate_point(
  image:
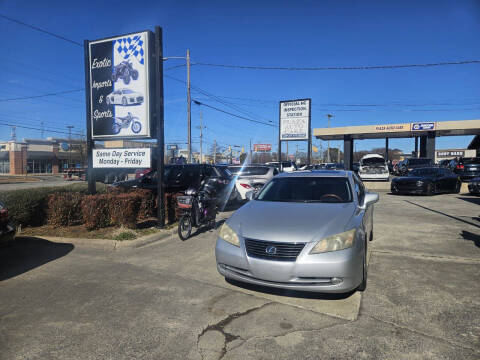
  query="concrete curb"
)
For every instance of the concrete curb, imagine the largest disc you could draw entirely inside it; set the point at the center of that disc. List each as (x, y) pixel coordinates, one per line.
(107, 244)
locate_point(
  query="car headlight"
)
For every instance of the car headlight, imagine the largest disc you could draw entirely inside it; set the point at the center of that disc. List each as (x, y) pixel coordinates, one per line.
(419, 183)
(335, 242)
(227, 234)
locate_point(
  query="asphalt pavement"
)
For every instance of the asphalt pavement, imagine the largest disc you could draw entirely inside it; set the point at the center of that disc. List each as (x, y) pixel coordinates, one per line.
(167, 301)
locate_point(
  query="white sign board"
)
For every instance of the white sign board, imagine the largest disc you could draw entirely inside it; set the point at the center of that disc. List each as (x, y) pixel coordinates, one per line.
(119, 87)
(122, 158)
(295, 119)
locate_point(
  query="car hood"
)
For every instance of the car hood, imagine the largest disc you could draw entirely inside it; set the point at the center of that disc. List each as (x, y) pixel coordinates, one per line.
(291, 222)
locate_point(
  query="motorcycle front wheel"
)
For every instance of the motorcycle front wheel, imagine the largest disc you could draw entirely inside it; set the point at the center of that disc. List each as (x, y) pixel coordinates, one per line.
(136, 127)
(185, 227)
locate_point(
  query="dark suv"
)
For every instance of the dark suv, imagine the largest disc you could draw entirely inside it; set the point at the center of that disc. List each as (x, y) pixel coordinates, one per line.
(466, 168)
(413, 163)
(179, 178)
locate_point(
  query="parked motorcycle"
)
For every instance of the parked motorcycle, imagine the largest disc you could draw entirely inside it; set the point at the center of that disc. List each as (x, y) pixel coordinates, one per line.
(124, 122)
(124, 71)
(7, 230)
(199, 209)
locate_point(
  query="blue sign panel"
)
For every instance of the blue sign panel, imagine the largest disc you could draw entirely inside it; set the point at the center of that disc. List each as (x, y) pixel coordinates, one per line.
(423, 126)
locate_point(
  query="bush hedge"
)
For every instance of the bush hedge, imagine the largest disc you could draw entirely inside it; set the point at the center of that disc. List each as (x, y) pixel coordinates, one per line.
(65, 209)
(70, 205)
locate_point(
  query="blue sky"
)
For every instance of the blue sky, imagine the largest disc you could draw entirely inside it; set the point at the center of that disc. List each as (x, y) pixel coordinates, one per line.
(270, 33)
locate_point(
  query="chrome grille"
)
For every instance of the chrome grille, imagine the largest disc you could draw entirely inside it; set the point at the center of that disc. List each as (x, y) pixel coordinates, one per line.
(283, 251)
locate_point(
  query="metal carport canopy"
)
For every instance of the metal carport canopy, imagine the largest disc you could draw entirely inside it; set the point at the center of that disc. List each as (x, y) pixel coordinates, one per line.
(403, 130)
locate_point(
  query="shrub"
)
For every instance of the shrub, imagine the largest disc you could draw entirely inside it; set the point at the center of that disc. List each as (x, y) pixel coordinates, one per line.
(124, 209)
(64, 209)
(96, 211)
(147, 203)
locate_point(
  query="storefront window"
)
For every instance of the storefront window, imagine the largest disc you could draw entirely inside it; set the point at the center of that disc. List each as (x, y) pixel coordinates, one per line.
(39, 166)
(4, 167)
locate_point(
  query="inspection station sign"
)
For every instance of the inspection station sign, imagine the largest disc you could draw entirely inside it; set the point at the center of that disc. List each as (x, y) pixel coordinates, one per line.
(295, 119)
(120, 86)
(122, 158)
(423, 126)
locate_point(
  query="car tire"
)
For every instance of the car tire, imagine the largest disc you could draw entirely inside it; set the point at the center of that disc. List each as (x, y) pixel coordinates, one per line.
(458, 186)
(124, 101)
(363, 285)
(430, 190)
(394, 190)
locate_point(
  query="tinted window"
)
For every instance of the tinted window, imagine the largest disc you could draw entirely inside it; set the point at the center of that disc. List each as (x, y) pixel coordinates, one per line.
(223, 171)
(250, 170)
(424, 172)
(419, 161)
(470, 160)
(307, 189)
(359, 188)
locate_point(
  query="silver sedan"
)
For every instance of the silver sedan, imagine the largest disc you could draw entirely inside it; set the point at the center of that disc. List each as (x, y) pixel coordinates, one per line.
(304, 231)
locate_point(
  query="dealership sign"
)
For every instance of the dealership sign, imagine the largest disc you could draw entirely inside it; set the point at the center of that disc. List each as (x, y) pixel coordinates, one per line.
(295, 119)
(122, 158)
(423, 126)
(262, 147)
(120, 86)
(458, 153)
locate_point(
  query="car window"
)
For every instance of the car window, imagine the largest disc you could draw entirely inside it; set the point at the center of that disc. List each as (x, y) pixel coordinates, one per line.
(474, 160)
(359, 188)
(210, 171)
(307, 189)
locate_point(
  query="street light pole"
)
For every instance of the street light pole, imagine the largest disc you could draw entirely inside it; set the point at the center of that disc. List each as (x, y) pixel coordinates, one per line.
(201, 127)
(189, 109)
(70, 127)
(329, 116)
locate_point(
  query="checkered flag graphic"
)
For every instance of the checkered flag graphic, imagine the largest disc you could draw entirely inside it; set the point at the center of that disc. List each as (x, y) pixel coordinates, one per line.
(131, 46)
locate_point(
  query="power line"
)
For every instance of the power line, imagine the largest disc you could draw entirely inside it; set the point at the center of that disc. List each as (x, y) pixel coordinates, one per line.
(42, 95)
(33, 128)
(41, 30)
(327, 68)
(231, 114)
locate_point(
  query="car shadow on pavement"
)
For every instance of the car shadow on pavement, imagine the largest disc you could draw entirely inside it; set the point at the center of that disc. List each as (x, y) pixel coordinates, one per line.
(27, 253)
(290, 293)
(442, 213)
(467, 235)
(473, 200)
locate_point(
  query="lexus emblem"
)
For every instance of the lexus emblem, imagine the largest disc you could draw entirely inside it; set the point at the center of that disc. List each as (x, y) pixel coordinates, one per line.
(271, 250)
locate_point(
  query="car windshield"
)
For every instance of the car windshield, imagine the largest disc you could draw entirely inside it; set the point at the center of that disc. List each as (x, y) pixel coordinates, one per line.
(373, 161)
(249, 170)
(307, 189)
(127, 91)
(420, 161)
(224, 171)
(471, 160)
(423, 172)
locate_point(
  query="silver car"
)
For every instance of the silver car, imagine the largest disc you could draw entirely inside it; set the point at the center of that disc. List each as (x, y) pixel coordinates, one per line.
(304, 231)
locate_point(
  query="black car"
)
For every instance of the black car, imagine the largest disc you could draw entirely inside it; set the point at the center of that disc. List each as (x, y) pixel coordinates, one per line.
(407, 165)
(466, 168)
(427, 181)
(178, 178)
(474, 186)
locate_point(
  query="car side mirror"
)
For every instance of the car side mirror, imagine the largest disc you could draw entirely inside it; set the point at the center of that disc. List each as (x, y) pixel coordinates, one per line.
(369, 199)
(250, 195)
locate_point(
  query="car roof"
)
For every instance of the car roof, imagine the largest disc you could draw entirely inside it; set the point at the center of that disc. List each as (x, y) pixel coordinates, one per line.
(317, 173)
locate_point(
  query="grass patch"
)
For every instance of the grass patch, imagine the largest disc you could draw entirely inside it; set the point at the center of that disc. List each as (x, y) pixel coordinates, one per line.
(125, 235)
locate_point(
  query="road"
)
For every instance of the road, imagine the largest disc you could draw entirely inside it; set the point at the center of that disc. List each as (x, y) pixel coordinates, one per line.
(45, 181)
(167, 301)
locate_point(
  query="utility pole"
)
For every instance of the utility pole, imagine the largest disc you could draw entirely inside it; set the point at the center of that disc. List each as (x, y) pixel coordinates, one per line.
(201, 127)
(286, 155)
(250, 151)
(41, 127)
(70, 127)
(329, 116)
(214, 151)
(296, 153)
(338, 154)
(13, 133)
(189, 110)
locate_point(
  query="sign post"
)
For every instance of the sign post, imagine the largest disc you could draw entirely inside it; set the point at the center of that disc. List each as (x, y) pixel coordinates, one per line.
(294, 124)
(124, 100)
